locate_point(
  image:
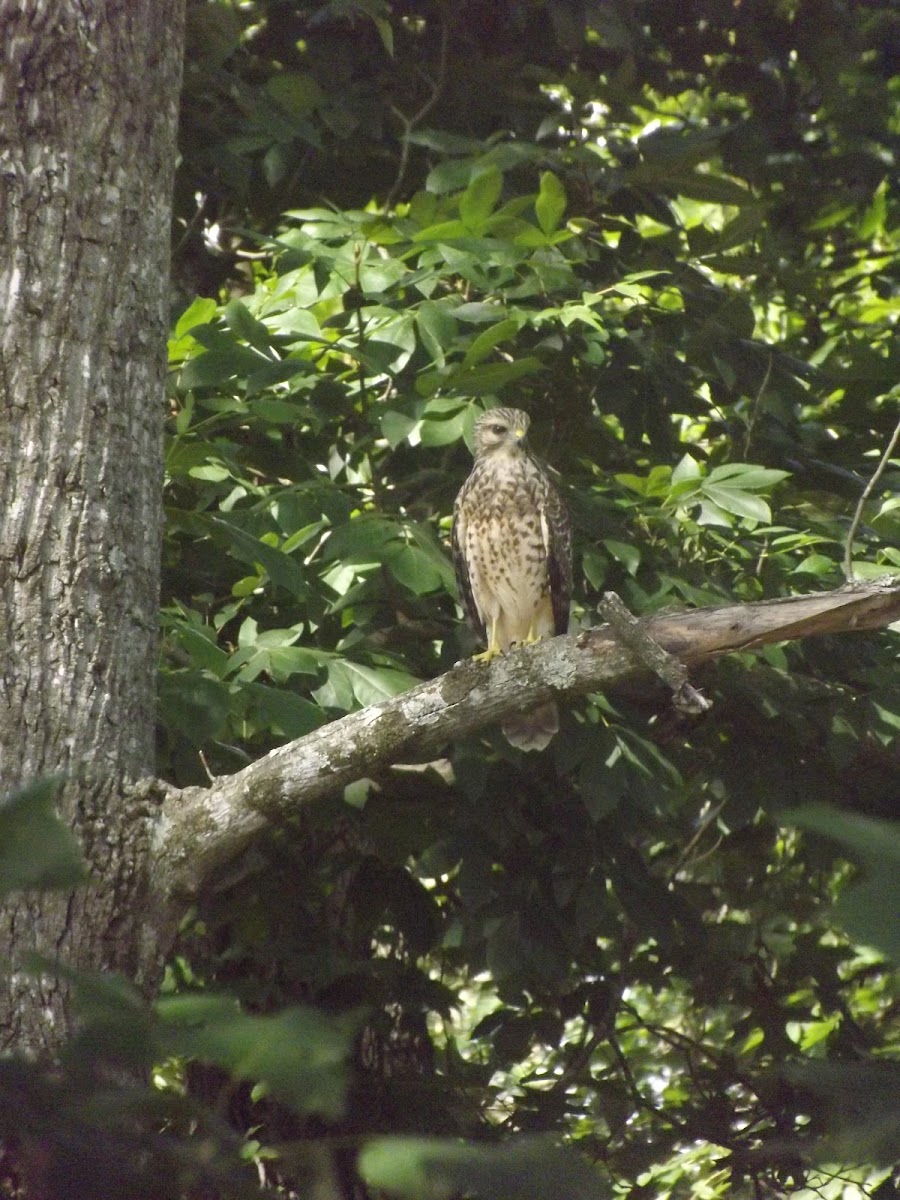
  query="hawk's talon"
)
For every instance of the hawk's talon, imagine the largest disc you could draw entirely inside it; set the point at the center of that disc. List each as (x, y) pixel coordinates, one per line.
(488, 655)
(493, 648)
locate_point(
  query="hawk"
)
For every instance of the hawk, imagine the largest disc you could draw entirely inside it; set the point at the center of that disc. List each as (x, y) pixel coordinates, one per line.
(512, 549)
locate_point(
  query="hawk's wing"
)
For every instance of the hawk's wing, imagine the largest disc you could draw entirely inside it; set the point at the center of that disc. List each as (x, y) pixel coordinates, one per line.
(557, 531)
(463, 581)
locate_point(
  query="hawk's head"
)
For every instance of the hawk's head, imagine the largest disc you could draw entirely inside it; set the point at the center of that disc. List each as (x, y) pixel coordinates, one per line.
(500, 431)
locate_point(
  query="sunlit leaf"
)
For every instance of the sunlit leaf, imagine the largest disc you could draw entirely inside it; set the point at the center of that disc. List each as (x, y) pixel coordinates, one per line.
(480, 198)
(551, 202)
(742, 504)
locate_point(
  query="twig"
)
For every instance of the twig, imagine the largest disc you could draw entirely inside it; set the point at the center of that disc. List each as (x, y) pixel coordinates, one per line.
(671, 671)
(683, 858)
(360, 325)
(409, 123)
(867, 492)
(754, 411)
(190, 225)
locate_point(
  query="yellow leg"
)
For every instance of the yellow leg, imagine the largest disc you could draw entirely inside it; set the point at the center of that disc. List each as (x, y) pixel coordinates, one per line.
(531, 636)
(493, 647)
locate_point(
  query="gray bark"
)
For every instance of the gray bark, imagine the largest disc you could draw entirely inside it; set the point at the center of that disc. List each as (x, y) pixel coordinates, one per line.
(200, 829)
(88, 118)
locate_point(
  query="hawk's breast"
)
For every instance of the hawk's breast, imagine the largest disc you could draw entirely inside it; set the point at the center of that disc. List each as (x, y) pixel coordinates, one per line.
(505, 552)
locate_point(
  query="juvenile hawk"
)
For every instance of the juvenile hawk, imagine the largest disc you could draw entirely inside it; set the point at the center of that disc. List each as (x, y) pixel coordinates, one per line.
(512, 551)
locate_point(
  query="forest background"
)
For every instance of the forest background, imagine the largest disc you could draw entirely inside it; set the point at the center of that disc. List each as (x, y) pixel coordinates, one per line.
(670, 233)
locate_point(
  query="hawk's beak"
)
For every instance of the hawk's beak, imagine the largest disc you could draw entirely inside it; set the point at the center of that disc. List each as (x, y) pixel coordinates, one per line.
(520, 433)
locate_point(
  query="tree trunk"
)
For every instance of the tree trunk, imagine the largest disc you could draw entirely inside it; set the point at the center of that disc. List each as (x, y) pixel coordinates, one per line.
(88, 117)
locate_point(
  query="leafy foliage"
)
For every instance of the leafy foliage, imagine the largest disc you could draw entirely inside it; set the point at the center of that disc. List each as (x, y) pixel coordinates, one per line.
(87, 1127)
(673, 239)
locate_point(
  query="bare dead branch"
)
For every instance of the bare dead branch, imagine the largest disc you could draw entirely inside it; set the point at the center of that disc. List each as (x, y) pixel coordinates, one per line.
(200, 829)
(633, 634)
(408, 124)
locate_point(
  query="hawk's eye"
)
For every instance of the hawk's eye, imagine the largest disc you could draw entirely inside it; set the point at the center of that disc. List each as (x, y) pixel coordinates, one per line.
(498, 429)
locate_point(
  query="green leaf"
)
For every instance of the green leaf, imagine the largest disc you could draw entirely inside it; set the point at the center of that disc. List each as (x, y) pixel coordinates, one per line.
(285, 713)
(480, 198)
(214, 367)
(601, 785)
(362, 540)
(295, 91)
(551, 202)
(437, 328)
(711, 514)
(211, 472)
(869, 910)
(485, 342)
(397, 427)
(624, 552)
(595, 568)
(37, 850)
(436, 1169)
(200, 312)
(746, 476)
(687, 468)
(299, 1053)
(275, 412)
(411, 567)
(281, 662)
(295, 321)
(482, 380)
(200, 644)
(448, 176)
(386, 33)
(736, 232)
(741, 504)
(479, 312)
(353, 685)
(280, 568)
(714, 188)
(815, 564)
(438, 429)
(443, 231)
(425, 539)
(444, 143)
(193, 705)
(873, 219)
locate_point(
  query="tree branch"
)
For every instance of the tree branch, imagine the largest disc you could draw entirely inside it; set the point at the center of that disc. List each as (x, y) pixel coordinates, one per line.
(201, 829)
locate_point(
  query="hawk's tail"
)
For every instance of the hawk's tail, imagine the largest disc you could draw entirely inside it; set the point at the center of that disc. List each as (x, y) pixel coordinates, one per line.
(532, 730)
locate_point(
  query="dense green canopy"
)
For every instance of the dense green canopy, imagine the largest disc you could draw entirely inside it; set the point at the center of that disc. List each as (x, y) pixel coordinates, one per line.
(669, 232)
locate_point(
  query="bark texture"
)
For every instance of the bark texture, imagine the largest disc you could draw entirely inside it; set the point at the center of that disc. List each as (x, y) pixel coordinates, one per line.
(200, 829)
(88, 116)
